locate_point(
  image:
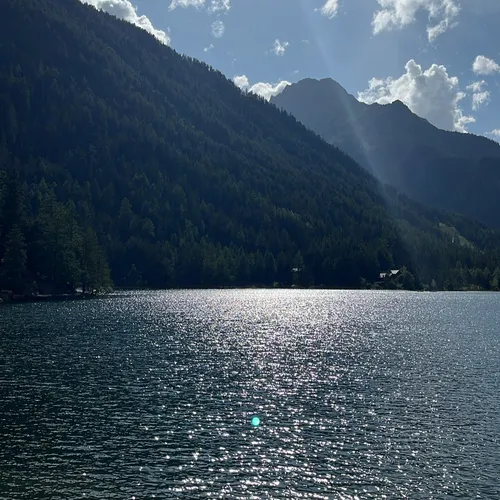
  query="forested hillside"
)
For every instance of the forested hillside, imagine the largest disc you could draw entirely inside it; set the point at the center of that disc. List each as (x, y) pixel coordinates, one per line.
(449, 170)
(117, 151)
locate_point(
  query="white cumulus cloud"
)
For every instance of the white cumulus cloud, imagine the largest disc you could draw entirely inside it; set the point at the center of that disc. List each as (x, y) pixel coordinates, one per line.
(123, 9)
(330, 8)
(265, 90)
(431, 94)
(279, 48)
(479, 95)
(213, 6)
(494, 134)
(477, 86)
(186, 3)
(218, 29)
(219, 6)
(479, 99)
(485, 66)
(241, 81)
(442, 15)
(268, 90)
(209, 48)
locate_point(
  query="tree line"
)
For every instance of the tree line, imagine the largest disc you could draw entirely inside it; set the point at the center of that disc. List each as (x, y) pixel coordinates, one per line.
(43, 248)
(124, 162)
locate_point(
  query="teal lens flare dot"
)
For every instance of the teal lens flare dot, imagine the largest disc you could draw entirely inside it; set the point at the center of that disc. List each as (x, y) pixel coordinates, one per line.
(256, 421)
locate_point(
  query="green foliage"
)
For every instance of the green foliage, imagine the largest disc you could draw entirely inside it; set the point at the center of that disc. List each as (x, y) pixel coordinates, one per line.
(13, 271)
(114, 148)
(94, 272)
(45, 250)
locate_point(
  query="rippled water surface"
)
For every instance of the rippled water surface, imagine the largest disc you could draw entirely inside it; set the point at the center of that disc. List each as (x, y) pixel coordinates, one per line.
(359, 395)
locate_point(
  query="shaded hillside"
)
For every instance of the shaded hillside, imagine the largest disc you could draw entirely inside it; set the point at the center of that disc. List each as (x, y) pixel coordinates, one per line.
(111, 142)
(450, 170)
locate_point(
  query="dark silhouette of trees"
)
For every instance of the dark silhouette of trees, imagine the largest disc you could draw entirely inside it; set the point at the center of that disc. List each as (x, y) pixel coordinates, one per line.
(123, 161)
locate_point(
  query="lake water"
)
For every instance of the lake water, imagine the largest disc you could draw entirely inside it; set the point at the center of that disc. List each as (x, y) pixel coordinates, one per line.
(151, 395)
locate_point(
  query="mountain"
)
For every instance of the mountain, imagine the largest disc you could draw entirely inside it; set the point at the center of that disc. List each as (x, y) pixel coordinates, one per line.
(121, 158)
(449, 170)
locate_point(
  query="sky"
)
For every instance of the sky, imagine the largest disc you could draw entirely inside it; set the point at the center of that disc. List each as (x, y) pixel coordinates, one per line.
(440, 57)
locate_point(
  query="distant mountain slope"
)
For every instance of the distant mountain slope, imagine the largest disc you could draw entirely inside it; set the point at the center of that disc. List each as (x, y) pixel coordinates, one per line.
(108, 136)
(450, 170)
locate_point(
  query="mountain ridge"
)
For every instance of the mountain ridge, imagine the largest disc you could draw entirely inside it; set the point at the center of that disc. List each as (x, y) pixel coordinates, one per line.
(394, 104)
(402, 149)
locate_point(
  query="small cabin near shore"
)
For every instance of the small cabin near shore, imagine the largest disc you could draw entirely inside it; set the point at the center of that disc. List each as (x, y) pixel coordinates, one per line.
(389, 274)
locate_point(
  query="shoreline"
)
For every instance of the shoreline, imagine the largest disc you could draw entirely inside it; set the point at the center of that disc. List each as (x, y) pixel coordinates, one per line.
(16, 299)
(62, 297)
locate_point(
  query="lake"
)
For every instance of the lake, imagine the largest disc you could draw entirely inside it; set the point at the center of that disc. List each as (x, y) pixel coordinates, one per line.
(360, 394)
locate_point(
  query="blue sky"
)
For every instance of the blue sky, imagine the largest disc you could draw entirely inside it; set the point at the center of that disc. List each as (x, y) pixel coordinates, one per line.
(440, 57)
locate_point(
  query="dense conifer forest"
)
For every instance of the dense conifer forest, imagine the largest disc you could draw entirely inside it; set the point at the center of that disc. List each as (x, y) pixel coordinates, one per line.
(124, 162)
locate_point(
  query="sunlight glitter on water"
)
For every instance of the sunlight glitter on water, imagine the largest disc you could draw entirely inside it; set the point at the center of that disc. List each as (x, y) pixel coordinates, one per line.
(358, 395)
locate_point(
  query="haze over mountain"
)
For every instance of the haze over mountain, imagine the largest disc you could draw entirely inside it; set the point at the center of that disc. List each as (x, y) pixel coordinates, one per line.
(449, 170)
(112, 144)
